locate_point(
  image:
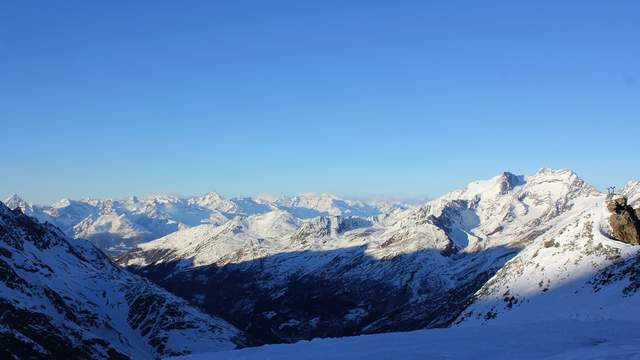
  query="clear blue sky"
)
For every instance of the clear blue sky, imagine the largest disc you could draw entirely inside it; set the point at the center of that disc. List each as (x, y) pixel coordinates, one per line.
(112, 98)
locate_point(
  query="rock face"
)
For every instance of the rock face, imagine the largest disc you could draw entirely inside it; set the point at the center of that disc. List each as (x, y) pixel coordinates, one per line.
(64, 299)
(624, 222)
(282, 279)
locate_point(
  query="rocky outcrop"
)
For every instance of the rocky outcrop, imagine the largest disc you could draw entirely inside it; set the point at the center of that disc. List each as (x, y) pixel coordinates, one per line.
(624, 222)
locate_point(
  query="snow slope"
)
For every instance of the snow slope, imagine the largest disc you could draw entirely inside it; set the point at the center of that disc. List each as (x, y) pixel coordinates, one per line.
(555, 340)
(572, 271)
(65, 299)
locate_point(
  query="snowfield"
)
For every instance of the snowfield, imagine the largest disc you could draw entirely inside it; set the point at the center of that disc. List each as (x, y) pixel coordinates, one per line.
(566, 340)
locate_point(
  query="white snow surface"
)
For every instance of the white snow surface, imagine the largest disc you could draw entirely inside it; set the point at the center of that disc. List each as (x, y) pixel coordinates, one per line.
(554, 340)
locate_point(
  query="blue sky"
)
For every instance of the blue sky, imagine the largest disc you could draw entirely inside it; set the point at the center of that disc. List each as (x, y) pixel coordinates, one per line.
(358, 98)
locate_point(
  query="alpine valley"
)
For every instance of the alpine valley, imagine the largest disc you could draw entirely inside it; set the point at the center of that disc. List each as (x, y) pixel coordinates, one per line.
(498, 255)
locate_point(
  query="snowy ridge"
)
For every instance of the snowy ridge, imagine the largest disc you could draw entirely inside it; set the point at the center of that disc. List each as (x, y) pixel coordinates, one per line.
(61, 298)
(575, 270)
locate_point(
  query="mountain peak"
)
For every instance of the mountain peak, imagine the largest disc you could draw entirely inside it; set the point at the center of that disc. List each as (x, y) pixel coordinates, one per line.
(555, 172)
(212, 194)
(567, 176)
(489, 188)
(211, 197)
(509, 180)
(14, 201)
(213, 201)
(62, 203)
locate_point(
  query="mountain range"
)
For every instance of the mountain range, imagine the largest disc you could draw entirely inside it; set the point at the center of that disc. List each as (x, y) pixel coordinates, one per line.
(471, 255)
(499, 253)
(118, 225)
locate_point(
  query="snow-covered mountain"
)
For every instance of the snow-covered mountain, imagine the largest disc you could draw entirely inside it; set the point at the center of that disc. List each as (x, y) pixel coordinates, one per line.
(574, 271)
(118, 225)
(504, 252)
(337, 275)
(64, 299)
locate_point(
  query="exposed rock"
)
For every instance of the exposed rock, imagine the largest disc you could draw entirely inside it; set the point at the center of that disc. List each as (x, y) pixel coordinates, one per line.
(624, 222)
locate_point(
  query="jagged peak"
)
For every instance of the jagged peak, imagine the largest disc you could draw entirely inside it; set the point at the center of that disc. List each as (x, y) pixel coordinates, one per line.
(508, 181)
(14, 201)
(14, 197)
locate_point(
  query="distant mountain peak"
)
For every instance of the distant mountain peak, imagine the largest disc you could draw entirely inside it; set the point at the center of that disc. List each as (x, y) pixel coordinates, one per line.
(212, 194)
(62, 203)
(545, 171)
(14, 201)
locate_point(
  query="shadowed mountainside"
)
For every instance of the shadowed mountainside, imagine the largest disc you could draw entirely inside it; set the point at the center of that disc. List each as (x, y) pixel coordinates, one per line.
(335, 299)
